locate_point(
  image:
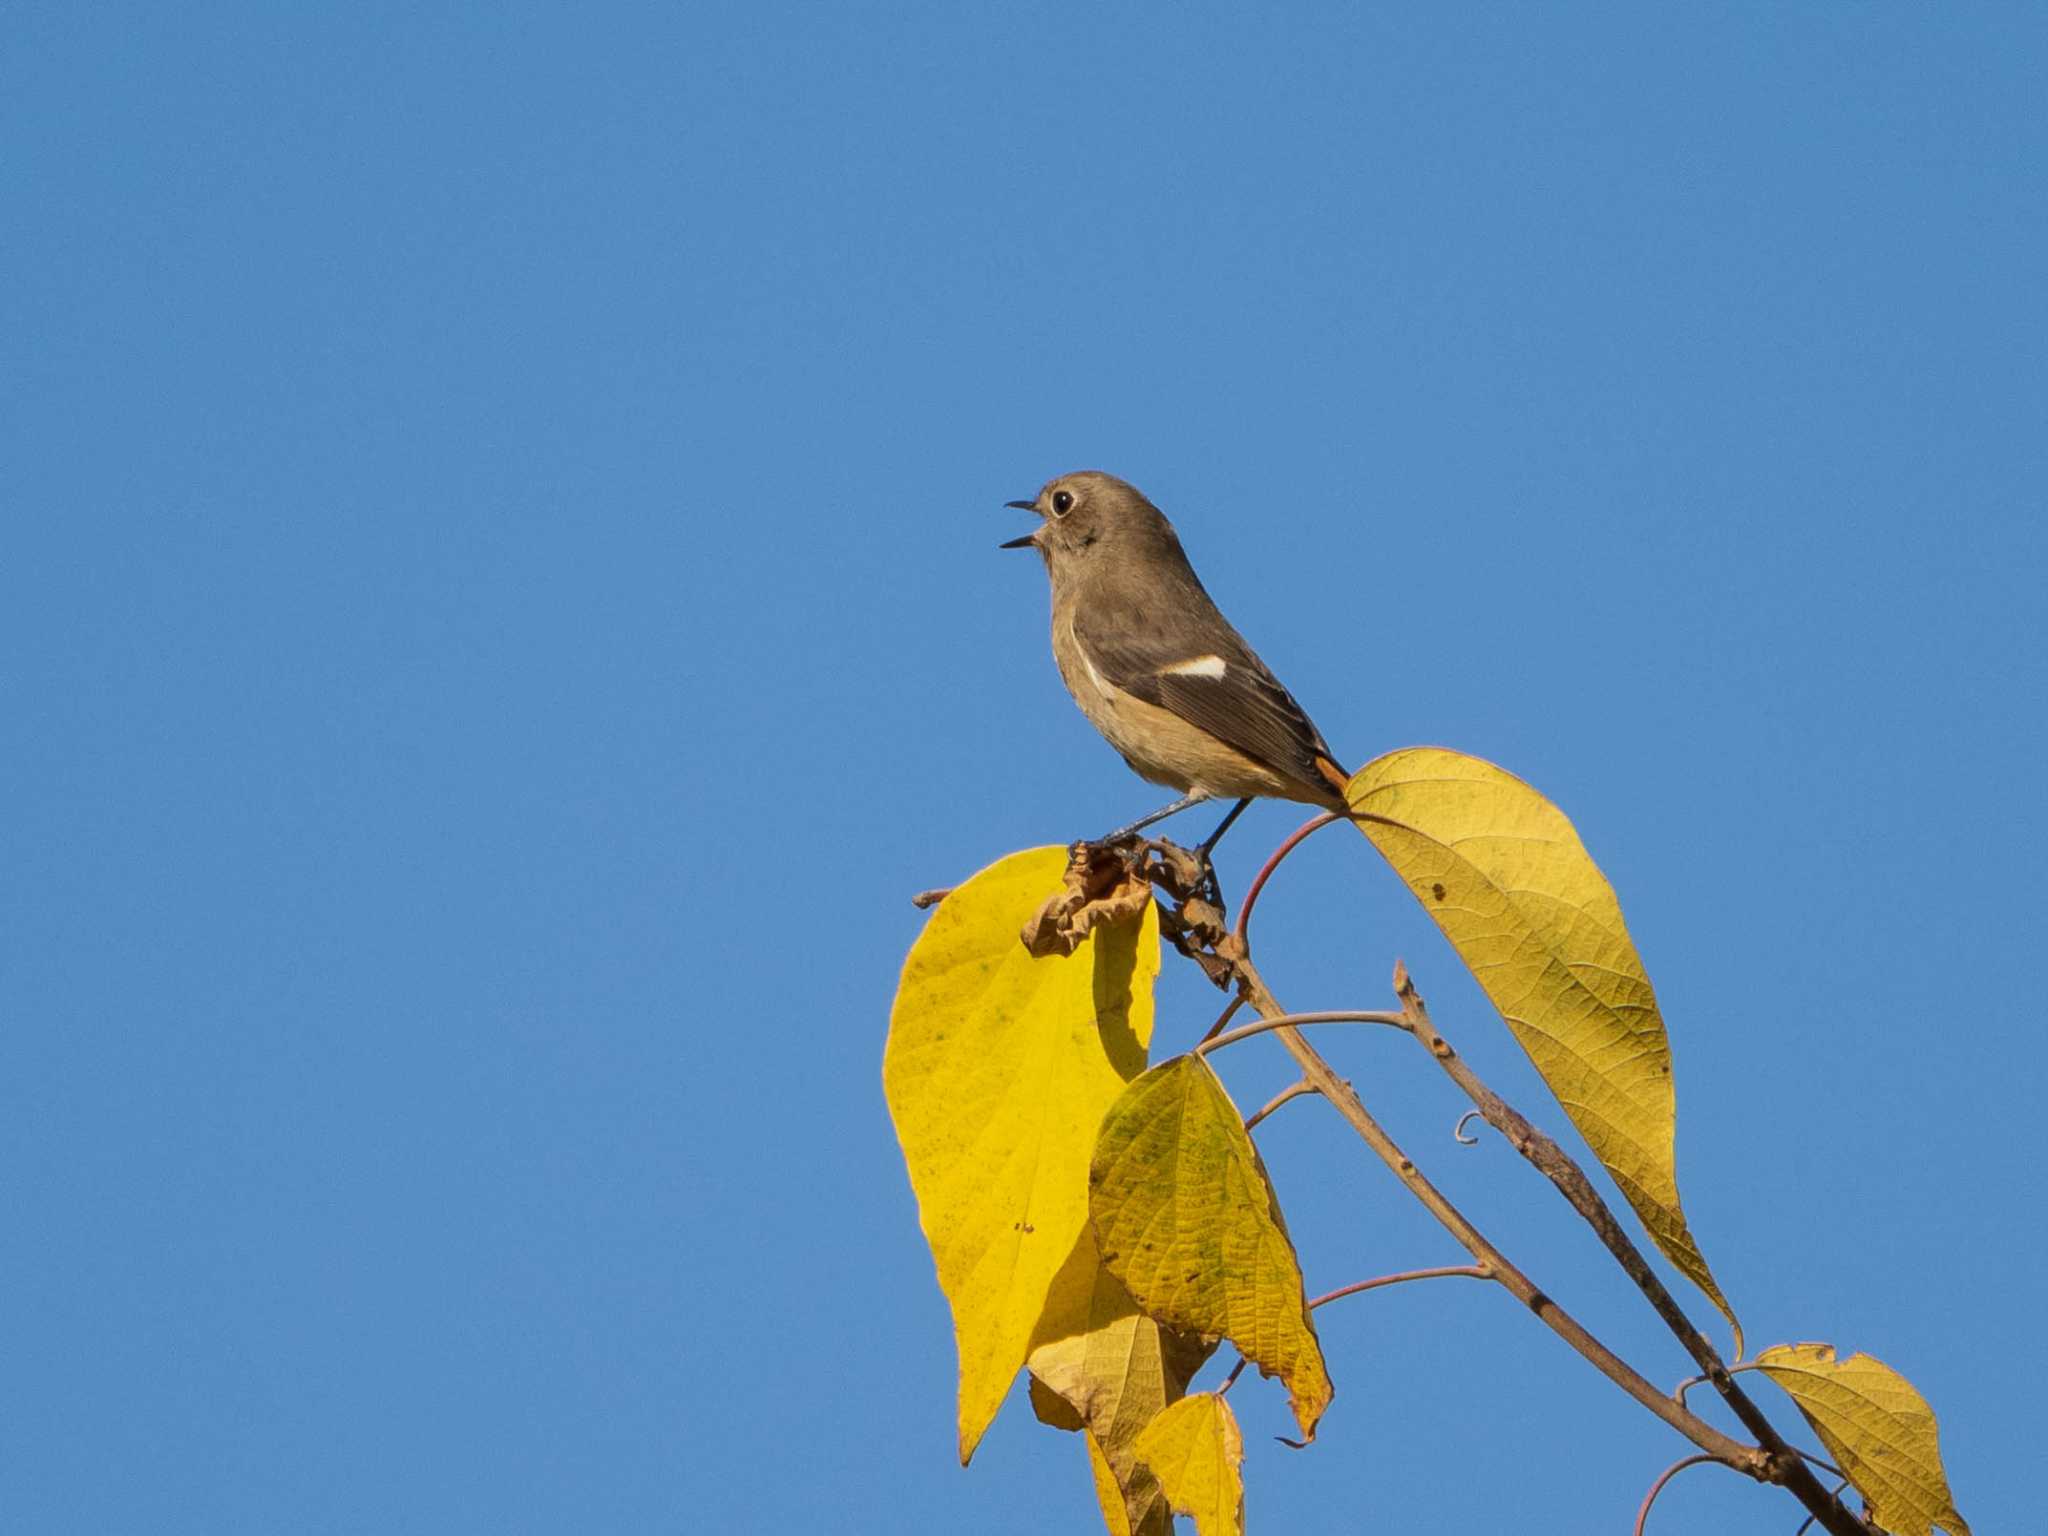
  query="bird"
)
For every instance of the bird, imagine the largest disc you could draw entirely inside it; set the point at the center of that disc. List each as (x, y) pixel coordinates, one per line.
(1157, 668)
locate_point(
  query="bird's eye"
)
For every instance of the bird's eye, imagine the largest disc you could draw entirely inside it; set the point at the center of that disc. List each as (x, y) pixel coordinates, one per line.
(1062, 503)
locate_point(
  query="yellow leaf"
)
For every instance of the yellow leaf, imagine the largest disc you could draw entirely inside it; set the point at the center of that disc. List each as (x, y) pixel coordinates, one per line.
(1877, 1428)
(1096, 1360)
(1506, 878)
(1053, 1410)
(1187, 1221)
(998, 1070)
(1116, 1513)
(1196, 1452)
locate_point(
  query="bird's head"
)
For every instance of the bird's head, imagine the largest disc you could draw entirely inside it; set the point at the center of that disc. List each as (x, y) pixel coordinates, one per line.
(1088, 515)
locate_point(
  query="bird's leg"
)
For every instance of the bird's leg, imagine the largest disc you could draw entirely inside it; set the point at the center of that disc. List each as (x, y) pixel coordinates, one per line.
(1204, 848)
(1222, 827)
(1160, 815)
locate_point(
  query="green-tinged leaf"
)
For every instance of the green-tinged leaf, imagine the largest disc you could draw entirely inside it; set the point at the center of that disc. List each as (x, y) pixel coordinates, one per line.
(1186, 1219)
(1195, 1450)
(1096, 1360)
(998, 1070)
(1877, 1428)
(1506, 878)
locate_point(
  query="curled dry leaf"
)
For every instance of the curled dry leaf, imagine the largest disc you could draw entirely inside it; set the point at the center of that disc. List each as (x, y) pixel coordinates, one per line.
(1100, 886)
(1195, 927)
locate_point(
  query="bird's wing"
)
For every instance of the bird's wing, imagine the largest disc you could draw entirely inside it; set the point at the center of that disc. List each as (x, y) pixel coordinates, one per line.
(1212, 680)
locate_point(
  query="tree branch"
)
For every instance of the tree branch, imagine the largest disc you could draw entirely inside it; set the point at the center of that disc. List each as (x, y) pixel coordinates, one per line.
(1196, 930)
(1556, 1165)
(1347, 1103)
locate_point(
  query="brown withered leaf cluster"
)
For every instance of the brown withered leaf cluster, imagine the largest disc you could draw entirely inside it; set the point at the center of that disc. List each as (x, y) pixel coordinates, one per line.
(1192, 919)
(1102, 884)
(1108, 881)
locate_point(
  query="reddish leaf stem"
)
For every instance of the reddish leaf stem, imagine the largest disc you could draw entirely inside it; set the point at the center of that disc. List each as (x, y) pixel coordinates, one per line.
(1807, 1524)
(1229, 1012)
(1472, 1271)
(1294, 1092)
(1352, 1108)
(1441, 1272)
(1643, 1514)
(1289, 1020)
(1570, 1180)
(1293, 840)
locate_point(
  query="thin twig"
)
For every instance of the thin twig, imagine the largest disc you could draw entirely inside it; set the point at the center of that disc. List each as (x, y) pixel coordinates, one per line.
(1288, 1021)
(1643, 1514)
(1826, 1466)
(1294, 1092)
(1236, 1371)
(1678, 1393)
(1807, 1524)
(1226, 961)
(1603, 1359)
(1551, 1160)
(1229, 1012)
(1441, 1272)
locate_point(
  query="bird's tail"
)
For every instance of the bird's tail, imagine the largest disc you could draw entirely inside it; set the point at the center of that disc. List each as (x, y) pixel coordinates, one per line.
(1335, 777)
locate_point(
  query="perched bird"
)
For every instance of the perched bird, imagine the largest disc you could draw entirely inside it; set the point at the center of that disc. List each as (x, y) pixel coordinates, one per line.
(1156, 668)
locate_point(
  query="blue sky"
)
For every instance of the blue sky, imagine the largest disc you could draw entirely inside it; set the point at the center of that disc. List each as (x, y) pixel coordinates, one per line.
(502, 610)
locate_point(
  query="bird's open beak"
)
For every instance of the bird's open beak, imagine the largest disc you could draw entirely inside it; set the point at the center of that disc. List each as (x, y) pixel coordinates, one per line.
(1029, 540)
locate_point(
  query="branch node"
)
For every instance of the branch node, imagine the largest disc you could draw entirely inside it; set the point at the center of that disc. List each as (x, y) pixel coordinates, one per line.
(1191, 921)
(1780, 1464)
(1770, 1459)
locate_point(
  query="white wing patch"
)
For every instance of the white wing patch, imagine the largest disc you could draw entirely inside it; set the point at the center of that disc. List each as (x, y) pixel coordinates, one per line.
(1199, 666)
(1101, 683)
